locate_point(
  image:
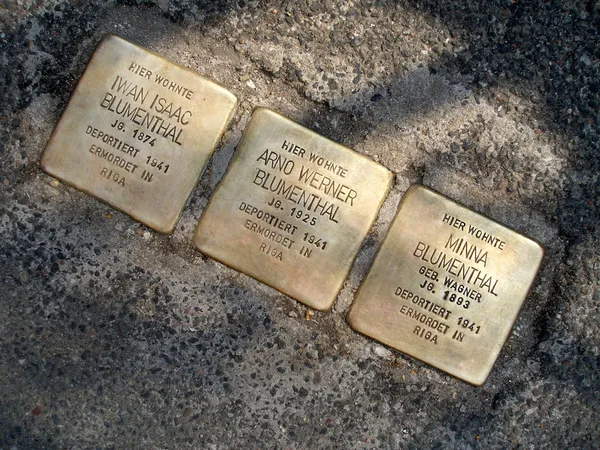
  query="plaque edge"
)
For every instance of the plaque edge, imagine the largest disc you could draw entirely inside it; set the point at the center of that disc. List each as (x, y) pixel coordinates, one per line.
(154, 225)
(476, 381)
(534, 241)
(167, 230)
(108, 37)
(265, 109)
(387, 179)
(353, 320)
(238, 269)
(349, 319)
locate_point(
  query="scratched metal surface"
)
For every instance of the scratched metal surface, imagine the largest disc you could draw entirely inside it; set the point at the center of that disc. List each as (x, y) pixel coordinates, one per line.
(115, 336)
(446, 286)
(294, 221)
(137, 132)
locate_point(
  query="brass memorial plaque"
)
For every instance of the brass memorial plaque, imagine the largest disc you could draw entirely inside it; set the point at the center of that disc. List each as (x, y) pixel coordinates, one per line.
(293, 209)
(446, 285)
(137, 132)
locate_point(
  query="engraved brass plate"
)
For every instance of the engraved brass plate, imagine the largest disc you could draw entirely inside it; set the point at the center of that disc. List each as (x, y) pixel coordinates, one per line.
(293, 209)
(446, 285)
(137, 132)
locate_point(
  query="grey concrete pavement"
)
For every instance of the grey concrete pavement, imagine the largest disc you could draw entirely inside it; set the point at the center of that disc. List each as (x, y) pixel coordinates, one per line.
(114, 336)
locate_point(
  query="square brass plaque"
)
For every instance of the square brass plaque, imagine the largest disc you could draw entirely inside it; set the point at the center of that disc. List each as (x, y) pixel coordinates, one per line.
(446, 285)
(137, 132)
(293, 209)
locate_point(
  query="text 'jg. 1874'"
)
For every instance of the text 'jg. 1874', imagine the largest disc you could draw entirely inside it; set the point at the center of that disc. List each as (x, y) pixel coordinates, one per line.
(293, 209)
(137, 132)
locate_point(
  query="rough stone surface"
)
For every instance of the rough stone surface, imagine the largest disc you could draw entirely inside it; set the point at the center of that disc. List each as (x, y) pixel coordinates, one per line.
(113, 336)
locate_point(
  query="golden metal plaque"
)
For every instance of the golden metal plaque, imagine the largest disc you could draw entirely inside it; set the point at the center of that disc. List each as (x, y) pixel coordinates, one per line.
(137, 132)
(446, 285)
(293, 209)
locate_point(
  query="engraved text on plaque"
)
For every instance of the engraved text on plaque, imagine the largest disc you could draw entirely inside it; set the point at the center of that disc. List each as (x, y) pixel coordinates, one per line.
(446, 285)
(293, 209)
(137, 132)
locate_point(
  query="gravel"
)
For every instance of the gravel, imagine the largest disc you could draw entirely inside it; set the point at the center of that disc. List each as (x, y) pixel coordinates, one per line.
(113, 336)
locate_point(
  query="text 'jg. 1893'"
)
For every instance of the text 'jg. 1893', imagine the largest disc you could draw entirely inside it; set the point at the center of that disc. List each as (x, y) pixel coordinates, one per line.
(448, 290)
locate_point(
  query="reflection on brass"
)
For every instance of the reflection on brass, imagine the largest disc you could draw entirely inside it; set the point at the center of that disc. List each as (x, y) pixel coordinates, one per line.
(293, 209)
(446, 285)
(137, 132)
